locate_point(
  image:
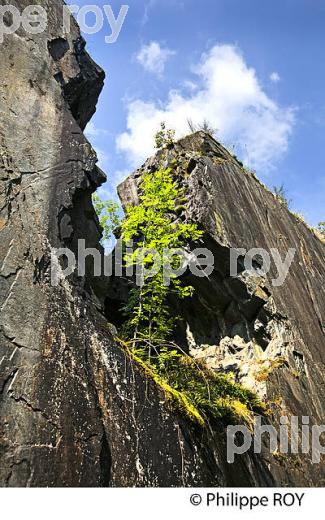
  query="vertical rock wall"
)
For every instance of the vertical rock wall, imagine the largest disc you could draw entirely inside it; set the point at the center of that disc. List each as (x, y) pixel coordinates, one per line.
(271, 337)
(74, 409)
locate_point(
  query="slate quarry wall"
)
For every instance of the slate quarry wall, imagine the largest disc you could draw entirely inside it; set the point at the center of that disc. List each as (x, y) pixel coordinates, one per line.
(270, 335)
(75, 410)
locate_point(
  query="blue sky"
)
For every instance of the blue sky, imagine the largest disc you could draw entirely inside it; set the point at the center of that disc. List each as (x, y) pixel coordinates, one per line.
(254, 68)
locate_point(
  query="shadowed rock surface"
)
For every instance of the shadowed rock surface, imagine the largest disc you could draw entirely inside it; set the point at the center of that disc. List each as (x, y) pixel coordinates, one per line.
(74, 409)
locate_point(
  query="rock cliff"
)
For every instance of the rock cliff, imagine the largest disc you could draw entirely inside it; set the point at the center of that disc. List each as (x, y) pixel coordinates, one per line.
(75, 410)
(271, 335)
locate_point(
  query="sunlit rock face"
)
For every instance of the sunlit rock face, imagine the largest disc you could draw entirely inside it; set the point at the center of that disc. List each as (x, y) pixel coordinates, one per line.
(75, 411)
(269, 335)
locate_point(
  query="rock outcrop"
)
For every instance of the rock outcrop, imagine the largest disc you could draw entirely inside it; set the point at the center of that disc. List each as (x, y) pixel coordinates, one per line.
(75, 410)
(270, 335)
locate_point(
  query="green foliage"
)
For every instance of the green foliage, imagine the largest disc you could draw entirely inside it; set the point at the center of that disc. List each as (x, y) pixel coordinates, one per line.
(196, 391)
(321, 229)
(299, 216)
(164, 138)
(108, 214)
(178, 399)
(214, 395)
(281, 194)
(151, 226)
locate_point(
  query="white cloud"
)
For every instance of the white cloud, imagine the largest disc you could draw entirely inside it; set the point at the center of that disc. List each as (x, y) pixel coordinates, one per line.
(94, 131)
(153, 57)
(230, 97)
(102, 156)
(190, 85)
(91, 130)
(275, 77)
(119, 176)
(147, 10)
(108, 190)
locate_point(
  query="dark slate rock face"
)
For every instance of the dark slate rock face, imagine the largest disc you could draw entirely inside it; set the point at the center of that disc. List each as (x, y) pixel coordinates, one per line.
(272, 338)
(75, 411)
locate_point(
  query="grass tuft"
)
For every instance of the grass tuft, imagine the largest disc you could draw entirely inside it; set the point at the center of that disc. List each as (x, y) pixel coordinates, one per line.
(200, 393)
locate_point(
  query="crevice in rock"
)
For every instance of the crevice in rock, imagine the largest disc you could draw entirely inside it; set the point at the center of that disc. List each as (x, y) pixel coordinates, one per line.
(5, 384)
(58, 48)
(105, 461)
(34, 409)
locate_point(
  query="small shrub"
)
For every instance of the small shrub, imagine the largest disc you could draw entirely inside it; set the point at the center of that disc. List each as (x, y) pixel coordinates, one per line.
(321, 229)
(281, 194)
(152, 228)
(198, 392)
(108, 212)
(164, 137)
(269, 367)
(299, 216)
(205, 126)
